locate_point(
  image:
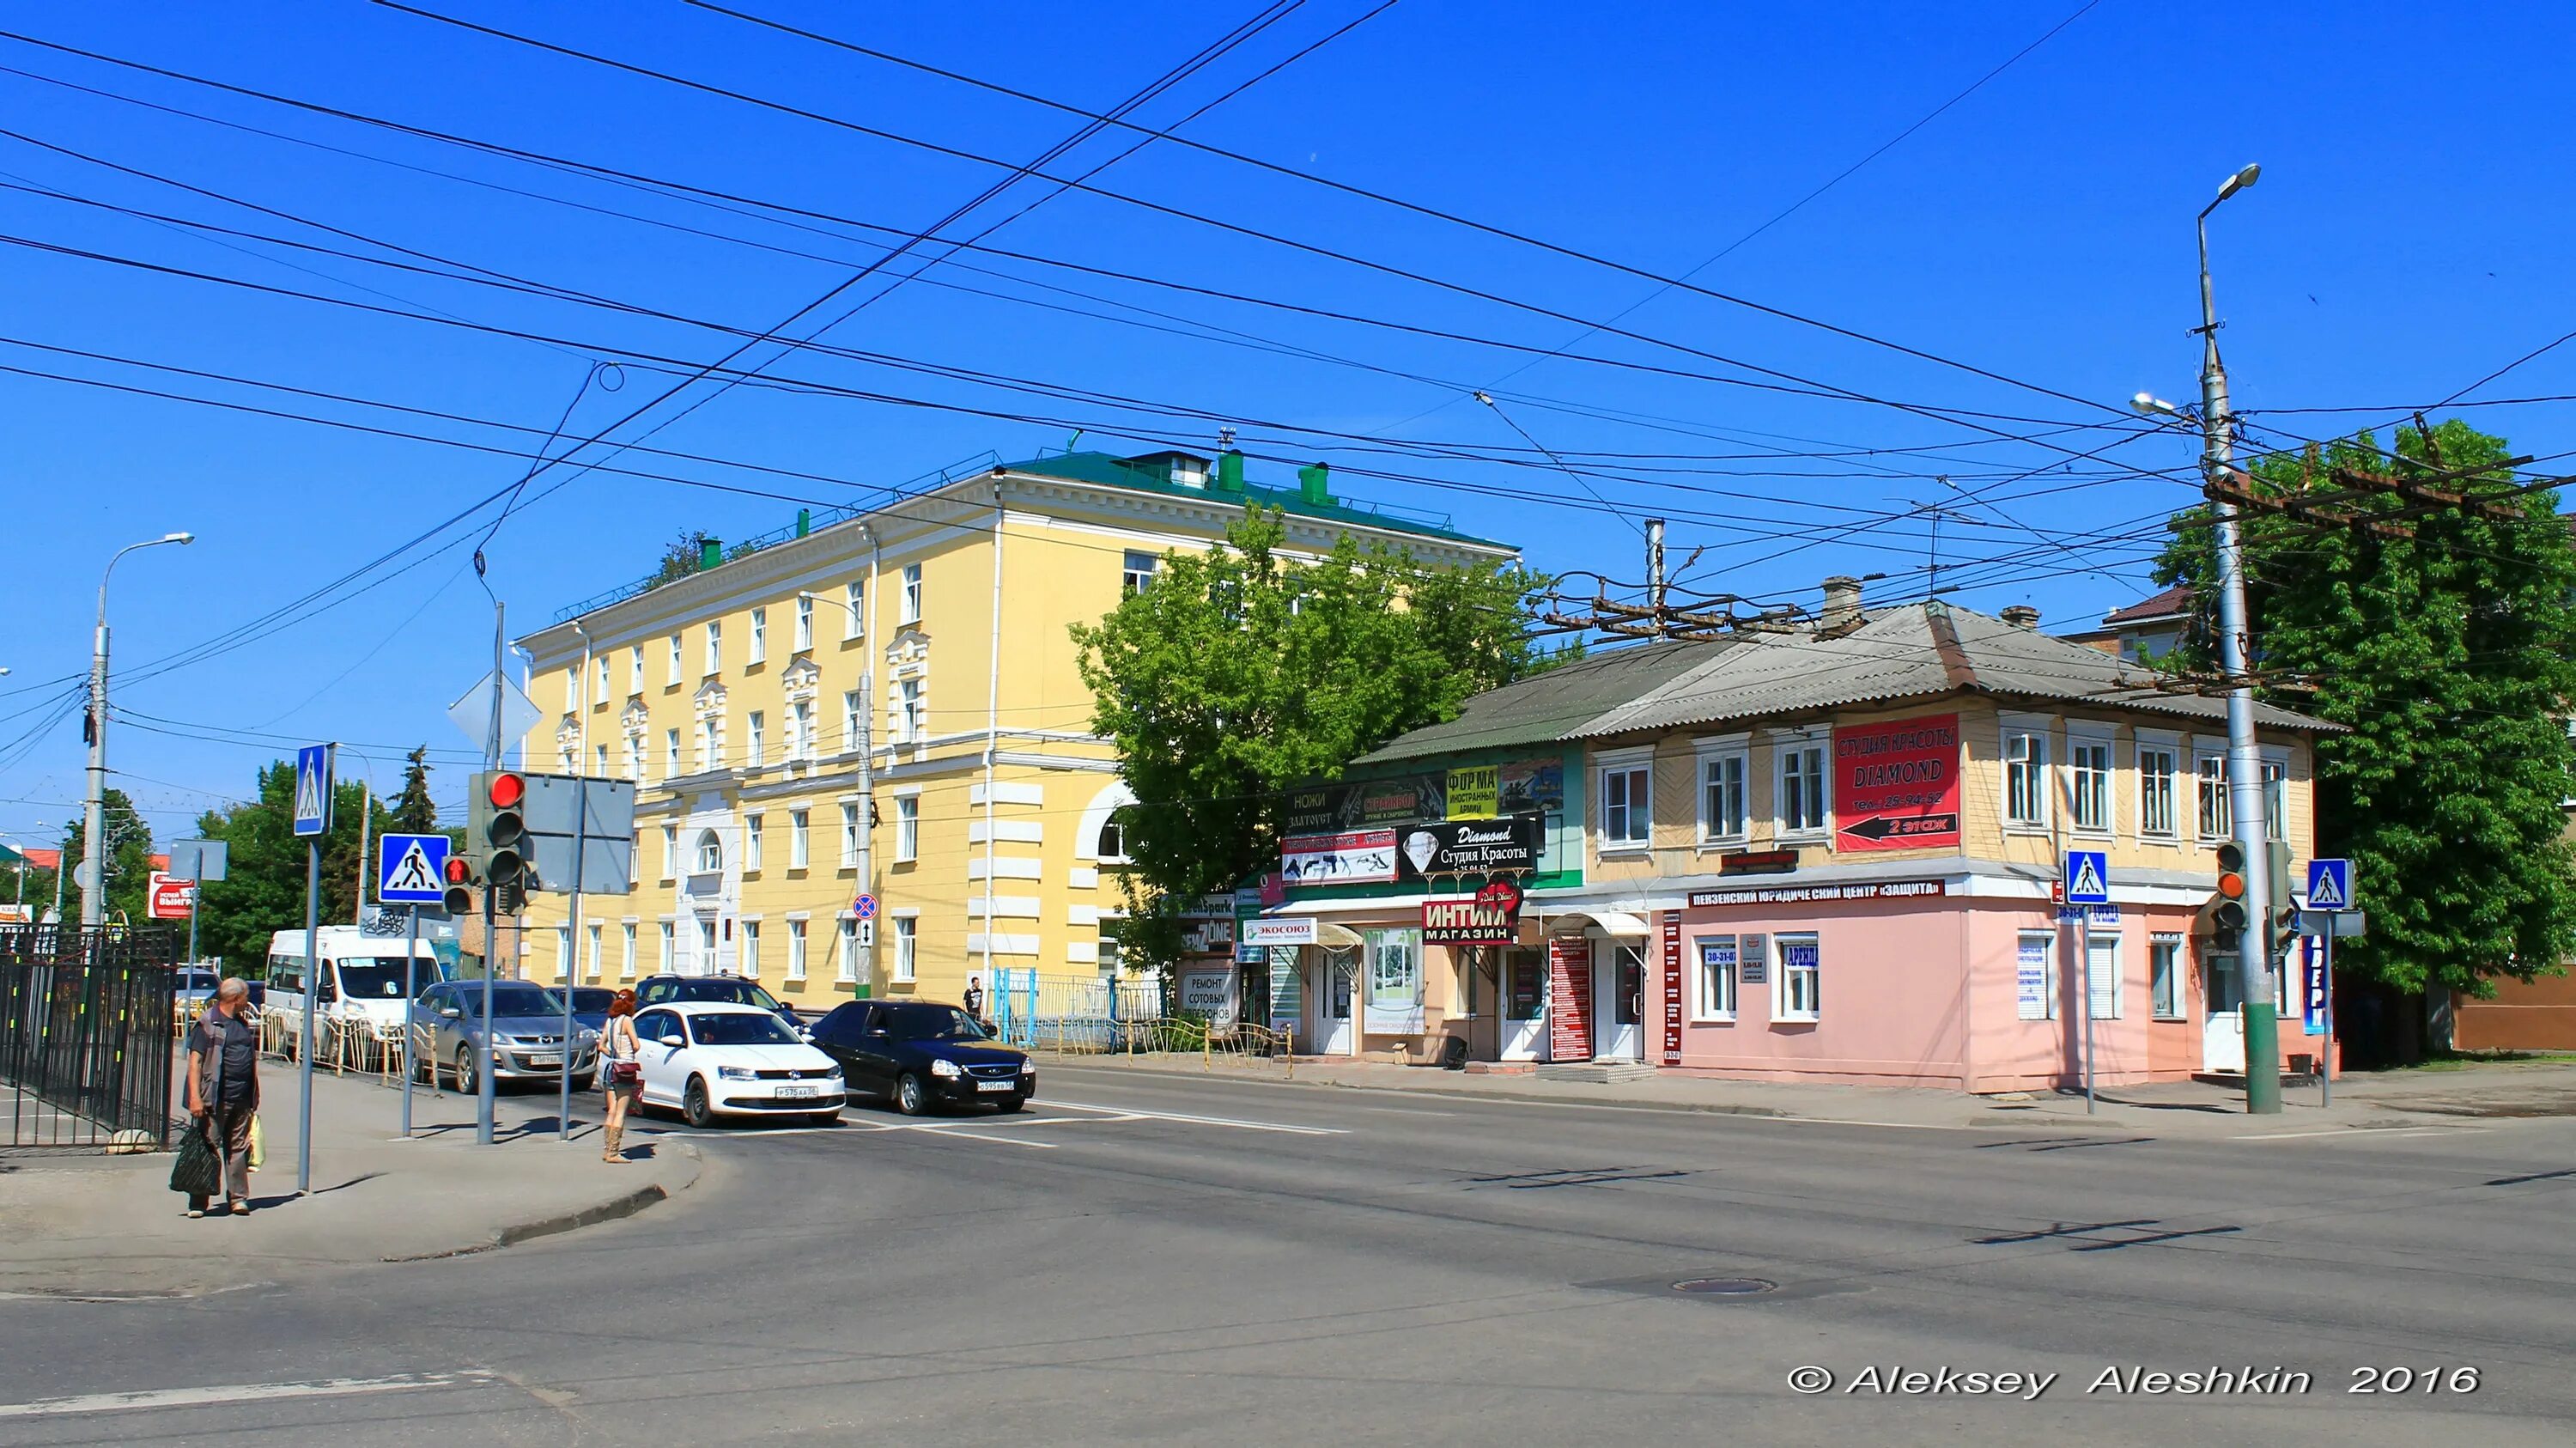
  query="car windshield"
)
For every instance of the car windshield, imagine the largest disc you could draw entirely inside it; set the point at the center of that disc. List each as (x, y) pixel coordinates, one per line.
(932, 1023)
(511, 998)
(731, 992)
(381, 978)
(731, 1028)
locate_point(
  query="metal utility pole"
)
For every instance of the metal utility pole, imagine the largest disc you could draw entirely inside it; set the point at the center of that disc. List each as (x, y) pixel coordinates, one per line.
(2244, 758)
(1655, 570)
(94, 811)
(483, 1083)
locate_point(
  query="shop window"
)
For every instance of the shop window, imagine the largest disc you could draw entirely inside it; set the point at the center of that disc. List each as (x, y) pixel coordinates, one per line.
(2164, 972)
(1394, 970)
(2035, 975)
(1716, 978)
(1524, 984)
(1798, 995)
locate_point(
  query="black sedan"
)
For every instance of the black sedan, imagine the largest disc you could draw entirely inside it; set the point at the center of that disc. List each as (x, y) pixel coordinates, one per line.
(920, 1054)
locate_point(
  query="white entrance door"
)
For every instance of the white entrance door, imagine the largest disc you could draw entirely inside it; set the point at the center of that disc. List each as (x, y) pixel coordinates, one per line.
(1334, 973)
(1524, 1005)
(2222, 1025)
(1618, 1003)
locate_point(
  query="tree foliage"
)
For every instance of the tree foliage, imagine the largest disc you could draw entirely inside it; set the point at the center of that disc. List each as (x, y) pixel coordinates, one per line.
(129, 860)
(2448, 659)
(263, 887)
(1240, 672)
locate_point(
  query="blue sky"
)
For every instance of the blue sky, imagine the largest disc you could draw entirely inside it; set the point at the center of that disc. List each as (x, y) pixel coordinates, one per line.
(2400, 246)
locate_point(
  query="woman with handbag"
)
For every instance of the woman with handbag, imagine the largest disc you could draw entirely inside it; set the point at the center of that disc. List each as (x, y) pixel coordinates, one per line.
(621, 1073)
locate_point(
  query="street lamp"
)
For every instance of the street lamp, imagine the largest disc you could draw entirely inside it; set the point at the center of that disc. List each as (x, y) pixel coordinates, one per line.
(94, 815)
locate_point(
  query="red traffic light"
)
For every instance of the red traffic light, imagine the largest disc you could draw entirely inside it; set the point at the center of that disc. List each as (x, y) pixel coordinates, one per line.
(506, 790)
(2231, 885)
(460, 871)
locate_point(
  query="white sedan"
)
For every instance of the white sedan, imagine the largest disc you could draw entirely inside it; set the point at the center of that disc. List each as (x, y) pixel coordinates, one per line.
(714, 1058)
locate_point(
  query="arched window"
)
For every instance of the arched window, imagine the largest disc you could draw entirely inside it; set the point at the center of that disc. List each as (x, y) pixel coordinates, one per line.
(1100, 837)
(710, 853)
(1112, 844)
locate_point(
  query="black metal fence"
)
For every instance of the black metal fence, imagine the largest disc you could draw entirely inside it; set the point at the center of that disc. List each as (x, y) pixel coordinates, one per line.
(85, 1035)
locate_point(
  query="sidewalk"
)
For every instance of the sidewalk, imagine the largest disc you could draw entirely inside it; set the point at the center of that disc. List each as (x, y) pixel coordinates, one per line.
(84, 1224)
(2369, 1101)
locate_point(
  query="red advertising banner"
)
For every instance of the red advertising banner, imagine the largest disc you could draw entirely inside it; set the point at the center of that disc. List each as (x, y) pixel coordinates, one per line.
(1569, 998)
(1672, 988)
(169, 899)
(1896, 784)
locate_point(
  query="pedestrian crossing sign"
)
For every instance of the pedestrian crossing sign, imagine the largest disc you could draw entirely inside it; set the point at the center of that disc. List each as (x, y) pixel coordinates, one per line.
(412, 870)
(312, 790)
(2329, 884)
(2088, 878)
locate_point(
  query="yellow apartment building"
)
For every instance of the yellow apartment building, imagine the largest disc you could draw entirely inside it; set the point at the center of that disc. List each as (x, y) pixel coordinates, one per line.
(888, 702)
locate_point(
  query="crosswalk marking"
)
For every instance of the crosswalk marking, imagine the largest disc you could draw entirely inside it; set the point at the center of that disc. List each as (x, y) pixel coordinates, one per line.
(157, 1399)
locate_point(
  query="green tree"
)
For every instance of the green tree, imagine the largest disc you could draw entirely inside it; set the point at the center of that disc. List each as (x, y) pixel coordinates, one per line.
(263, 888)
(414, 812)
(129, 861)
(2447, 657)
(1239, 673)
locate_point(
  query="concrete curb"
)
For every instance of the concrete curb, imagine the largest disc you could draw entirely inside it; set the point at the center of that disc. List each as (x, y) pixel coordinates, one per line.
(608, 1211)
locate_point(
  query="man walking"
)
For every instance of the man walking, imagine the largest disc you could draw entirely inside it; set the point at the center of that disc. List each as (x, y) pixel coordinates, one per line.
(975, 999)
(223, 1089)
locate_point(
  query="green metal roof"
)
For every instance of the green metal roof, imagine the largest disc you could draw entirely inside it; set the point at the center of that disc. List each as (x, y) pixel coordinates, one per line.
(1114, 471)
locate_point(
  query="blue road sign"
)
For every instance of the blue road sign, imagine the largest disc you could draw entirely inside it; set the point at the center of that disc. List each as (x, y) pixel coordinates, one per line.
(412, 870)
(313, 790)
(2329, 884)
(2088, 878)
(864, 907)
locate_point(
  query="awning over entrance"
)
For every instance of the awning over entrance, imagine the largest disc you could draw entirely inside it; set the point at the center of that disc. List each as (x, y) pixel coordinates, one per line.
(1338, 937)
(1617, 924)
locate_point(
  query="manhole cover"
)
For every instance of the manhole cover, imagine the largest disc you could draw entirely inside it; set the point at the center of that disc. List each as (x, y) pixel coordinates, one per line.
(1725, 1286)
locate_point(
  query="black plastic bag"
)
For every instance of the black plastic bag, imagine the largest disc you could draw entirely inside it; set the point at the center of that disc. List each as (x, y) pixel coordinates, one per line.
(198, 1172)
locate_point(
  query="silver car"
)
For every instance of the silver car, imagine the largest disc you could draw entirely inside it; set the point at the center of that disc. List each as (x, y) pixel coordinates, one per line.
(527, 1030)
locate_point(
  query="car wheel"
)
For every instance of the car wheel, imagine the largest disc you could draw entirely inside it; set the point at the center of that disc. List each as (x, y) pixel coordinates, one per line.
(1012, 1104)
(467, 1084)
(700, 1110)
(909, 1098)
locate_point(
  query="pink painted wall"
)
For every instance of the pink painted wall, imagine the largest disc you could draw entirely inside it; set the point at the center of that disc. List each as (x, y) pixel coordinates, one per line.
(1891, 1009)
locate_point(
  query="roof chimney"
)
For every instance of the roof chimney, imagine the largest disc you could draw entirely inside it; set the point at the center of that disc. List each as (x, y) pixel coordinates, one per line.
(1842, 605)
(2021, 615)
(1314, 483)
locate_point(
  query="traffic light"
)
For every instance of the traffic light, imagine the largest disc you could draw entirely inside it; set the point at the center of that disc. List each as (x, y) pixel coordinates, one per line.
(2284, 934)
(496, 834)
(459, 897)
(2229, 912)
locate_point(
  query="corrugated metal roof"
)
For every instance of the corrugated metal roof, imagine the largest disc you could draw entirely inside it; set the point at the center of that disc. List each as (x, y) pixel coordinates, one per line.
(1549, 707)
(2171, 603)
(1114, 471)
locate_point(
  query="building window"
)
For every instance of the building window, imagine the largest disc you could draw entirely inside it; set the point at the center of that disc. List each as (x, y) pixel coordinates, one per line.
(715, 646)
(853, 713)
(2155, 791)
(572, 688)
(2089, 784)
(2276, 802)
(2102, 976)
(752, 851)
(798, 847)
(750, 962)
(635, 758)
(706, 732)
(1627, 806)
(800, 729)
(759, 636)
(590, 960)
(848, 969)
(635, 669)
(707, 942)
(795, 950)
(854, 612)
(671, 753)
(1803, 801)
(1137, 573)
(756, 738)
(670, 851)
(2217, 820)
(626, 953)
(849, 835)
(2035, 975)
(710, 853)
(1797, 996)
(667, 952)
(907, 828)
(2164, 976)
(599, 761)
(563, 954)
(1524, 984)
(1716, 978)
(911, 593)
(907, 712)
(1394, 970)
(1111, 847)
(675, 659)
(1721, 797)
(603, 679)
(804, 622)
(2025, 778)
(907, 945)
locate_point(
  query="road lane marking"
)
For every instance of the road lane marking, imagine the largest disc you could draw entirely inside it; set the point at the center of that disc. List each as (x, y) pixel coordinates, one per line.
(159, 1399)
(1137, 1113)
(930, 1129)
(2360, 1133)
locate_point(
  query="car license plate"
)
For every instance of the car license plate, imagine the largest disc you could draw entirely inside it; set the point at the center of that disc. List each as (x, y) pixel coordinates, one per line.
(997, 1085)
(535, 1061)
(793, 1093)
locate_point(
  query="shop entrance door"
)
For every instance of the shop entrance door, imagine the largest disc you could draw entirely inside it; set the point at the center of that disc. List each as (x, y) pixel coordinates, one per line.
(1333, 1001)
(1524, 1006)
(1619, 1004)
(1569, 998)
(2222, 1025)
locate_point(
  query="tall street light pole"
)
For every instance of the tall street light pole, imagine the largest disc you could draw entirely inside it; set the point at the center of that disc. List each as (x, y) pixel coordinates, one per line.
(2245, 800)
(94, 816)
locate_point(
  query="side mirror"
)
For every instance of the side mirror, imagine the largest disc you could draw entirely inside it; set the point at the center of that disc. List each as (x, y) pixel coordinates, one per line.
(453, 1013)
(673, 1041)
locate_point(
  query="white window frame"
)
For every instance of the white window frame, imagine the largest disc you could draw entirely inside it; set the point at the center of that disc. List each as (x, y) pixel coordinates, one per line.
(670, 851)
(753, 837)
(599, 761)
(846, 965)
(800, 730)
(715, 646)
(606, 667)
(635, 669)
(907, 947)
(907, 828)
(2213, 813)
(706, 742)
(2079, 738)
(759, 637)
(755, 738)
(1723, 1008)
(854, 623)
(1790, 746)
(2168, 747)
(853, 709)
(1781, 1010)
(1636, 813)
(591, 951)
(747, 947)
(849, 834)
(804, 622)
(2104, 945)
(626, 959)
(668, 946)
(707, 856)
(2276, 792)
(2048, 994)
(671, 753)
(911, 611)
(1709, 757)
(677, 652)
(572, 688)
(795, 948)
(2031, 732)
(2166, 998)
(799, 838)
(910, 718)
(1136, 571)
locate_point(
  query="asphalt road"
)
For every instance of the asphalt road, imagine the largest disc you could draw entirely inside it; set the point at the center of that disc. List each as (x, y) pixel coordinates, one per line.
(1168, 1260)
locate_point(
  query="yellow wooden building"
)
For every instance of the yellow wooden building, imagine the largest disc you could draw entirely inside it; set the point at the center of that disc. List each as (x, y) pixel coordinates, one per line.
(914, 657)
